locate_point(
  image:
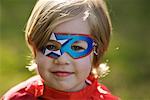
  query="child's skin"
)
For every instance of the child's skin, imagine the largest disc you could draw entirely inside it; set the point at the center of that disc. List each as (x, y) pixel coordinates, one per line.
(70, 74)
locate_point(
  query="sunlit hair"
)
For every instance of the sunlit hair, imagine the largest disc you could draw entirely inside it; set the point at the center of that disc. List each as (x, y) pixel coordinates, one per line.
(48, 14)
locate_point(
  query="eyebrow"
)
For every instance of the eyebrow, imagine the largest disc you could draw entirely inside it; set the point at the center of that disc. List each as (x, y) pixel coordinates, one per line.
(80, 41)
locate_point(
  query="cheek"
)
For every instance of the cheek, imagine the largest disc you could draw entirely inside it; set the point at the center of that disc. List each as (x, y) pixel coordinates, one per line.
(43, 62)
(40, 65)
(84, 61)
(84, 64)
(87, 60)
(39, 60)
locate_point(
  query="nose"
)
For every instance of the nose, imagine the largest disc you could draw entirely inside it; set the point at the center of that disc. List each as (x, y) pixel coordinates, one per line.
(64, 59)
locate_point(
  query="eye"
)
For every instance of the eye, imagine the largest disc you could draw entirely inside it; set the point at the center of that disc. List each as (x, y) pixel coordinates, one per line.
(53, 45)
(77, 48)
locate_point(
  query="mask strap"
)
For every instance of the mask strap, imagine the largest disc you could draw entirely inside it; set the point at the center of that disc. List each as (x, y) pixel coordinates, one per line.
(95, 47)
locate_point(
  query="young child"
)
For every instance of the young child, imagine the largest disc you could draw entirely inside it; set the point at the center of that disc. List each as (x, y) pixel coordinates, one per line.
(67, 39)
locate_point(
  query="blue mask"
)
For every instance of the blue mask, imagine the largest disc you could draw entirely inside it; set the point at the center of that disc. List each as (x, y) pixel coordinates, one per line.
(76, 45)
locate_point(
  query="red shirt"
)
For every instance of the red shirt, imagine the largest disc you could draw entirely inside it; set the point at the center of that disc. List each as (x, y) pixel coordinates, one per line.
(34, 89)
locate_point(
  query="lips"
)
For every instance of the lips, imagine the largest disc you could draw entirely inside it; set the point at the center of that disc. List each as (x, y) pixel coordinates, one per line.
(62, 73)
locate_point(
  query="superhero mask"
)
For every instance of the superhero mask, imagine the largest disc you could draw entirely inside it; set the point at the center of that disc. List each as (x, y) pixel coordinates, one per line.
(76, 45)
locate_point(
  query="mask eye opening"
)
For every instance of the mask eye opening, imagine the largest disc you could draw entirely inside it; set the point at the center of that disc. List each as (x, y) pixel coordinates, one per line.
(53, 45)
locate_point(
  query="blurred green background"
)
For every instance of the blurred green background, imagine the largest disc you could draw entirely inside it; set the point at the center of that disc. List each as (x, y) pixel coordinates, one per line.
(128, 55)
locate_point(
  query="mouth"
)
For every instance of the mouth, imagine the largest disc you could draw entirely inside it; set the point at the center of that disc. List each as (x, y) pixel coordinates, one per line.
(62, 73)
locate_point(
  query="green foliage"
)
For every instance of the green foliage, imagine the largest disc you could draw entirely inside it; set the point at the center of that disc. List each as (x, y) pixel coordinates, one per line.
(128, 54)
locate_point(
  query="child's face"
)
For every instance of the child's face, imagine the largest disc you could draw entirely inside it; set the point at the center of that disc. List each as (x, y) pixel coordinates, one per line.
(66, 73)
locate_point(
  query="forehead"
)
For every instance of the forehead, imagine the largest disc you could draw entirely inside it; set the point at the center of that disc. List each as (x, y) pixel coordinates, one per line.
(66, 36)
(76, 25)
